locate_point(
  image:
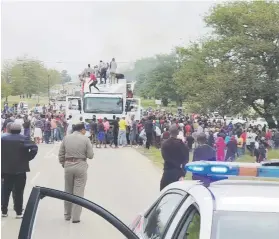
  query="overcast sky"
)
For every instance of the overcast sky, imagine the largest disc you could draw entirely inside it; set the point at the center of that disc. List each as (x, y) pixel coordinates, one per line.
(77, 33)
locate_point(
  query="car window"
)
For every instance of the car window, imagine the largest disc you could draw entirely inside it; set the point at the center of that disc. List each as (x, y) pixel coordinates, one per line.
(193, 231)
(189, 227)
(245, 225)
(157, 220)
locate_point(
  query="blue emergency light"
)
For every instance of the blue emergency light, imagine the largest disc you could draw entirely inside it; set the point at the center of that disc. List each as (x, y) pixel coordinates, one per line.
(215, 169)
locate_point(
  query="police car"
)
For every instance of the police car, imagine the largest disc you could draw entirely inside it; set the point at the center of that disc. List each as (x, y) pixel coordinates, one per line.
(213, 208)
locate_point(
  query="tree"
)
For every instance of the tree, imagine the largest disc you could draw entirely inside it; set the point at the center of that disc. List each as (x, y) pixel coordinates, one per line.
(65, 77)
(27, 76)
(246, 38)
(6, 89)
(155, 78)
(238, 66)
(160, 84)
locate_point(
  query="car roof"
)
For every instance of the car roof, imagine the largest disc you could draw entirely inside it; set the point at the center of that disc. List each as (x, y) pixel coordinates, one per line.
(246, 195)
(238, 195)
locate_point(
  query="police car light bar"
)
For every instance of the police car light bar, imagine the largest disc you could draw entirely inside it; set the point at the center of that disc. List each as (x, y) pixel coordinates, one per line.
(213, 169)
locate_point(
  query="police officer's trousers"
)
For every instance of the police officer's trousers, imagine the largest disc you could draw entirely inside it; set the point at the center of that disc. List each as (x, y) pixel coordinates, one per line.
(75, 180)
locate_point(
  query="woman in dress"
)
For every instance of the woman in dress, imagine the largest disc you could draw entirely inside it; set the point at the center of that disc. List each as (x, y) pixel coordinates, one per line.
(220, 149)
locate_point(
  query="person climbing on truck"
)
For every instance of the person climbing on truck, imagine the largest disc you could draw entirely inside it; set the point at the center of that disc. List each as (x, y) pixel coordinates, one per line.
(94, 81)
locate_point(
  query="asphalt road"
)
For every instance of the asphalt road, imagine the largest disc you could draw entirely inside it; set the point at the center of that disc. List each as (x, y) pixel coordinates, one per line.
(121, 180)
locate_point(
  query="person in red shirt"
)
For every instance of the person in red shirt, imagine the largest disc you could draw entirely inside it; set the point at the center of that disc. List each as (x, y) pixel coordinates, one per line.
(188, 129)
(268, 137)
(94, 81)
(130, 94)
(244, 136)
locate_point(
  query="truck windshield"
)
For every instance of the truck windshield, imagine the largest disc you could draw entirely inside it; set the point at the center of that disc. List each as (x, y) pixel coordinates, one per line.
(105, 105)
(245, 225)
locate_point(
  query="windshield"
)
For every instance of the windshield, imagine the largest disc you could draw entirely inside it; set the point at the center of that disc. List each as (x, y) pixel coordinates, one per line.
(245, 225)
(110, 105)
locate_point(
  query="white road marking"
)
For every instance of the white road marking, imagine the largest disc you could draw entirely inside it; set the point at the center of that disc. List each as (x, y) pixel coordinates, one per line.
(50, 154)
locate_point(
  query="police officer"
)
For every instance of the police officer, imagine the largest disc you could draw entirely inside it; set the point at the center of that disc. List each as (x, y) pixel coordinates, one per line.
(73, 153)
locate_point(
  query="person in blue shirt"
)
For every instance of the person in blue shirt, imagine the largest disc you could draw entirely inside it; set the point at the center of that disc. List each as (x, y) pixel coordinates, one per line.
(203, 153)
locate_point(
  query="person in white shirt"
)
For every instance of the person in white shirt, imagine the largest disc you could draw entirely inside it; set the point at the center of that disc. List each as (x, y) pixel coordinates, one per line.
(103, 71)
(87, 70)
(200, 129)
(19, 121)
(70, 125)
(113, 67)
(250, 141)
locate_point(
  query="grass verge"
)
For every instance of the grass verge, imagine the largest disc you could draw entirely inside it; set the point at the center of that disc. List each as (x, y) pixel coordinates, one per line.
(155, 156)
(31, 102)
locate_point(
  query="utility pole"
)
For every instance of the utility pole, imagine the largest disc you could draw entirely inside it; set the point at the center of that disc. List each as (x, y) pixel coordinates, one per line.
(48, 89)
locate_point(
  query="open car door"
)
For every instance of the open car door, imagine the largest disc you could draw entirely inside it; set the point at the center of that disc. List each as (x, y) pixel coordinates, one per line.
(38, 193)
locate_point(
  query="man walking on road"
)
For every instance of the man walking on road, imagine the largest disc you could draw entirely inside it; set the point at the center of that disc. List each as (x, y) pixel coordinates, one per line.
(73, 153)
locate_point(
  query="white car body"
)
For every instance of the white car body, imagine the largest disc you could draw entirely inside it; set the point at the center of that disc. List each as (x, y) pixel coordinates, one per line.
(223, 208)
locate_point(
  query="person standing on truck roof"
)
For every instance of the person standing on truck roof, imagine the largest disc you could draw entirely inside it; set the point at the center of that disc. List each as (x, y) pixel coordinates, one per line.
(87, 71)
(94, 81)
(113, 67)
(103, 71)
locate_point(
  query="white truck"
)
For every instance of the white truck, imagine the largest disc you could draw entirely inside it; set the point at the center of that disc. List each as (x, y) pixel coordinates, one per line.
(109, 101)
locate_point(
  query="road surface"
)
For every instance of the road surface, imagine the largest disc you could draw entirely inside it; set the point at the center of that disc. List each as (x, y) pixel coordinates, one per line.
(121, 180)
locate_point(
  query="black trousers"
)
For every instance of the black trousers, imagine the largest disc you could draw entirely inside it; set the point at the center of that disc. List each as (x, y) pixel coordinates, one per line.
(2, 191)
(103, 75)
(170, 176)
(94, 83)
(17, 183)
(115, 138)
(148, 140)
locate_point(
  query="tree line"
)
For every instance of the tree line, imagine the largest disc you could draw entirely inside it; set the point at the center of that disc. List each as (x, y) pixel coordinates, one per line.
(27, 77)
(233, 69)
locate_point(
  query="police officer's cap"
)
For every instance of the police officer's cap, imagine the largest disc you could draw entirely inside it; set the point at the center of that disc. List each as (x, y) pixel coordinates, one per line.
(79, 127)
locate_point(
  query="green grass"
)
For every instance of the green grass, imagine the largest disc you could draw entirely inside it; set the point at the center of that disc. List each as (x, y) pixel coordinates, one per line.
(31, 102)
(155, 156)
(172, 107)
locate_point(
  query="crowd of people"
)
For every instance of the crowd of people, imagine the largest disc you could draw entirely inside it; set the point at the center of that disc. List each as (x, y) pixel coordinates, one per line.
(228, 140)
(175, 135)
